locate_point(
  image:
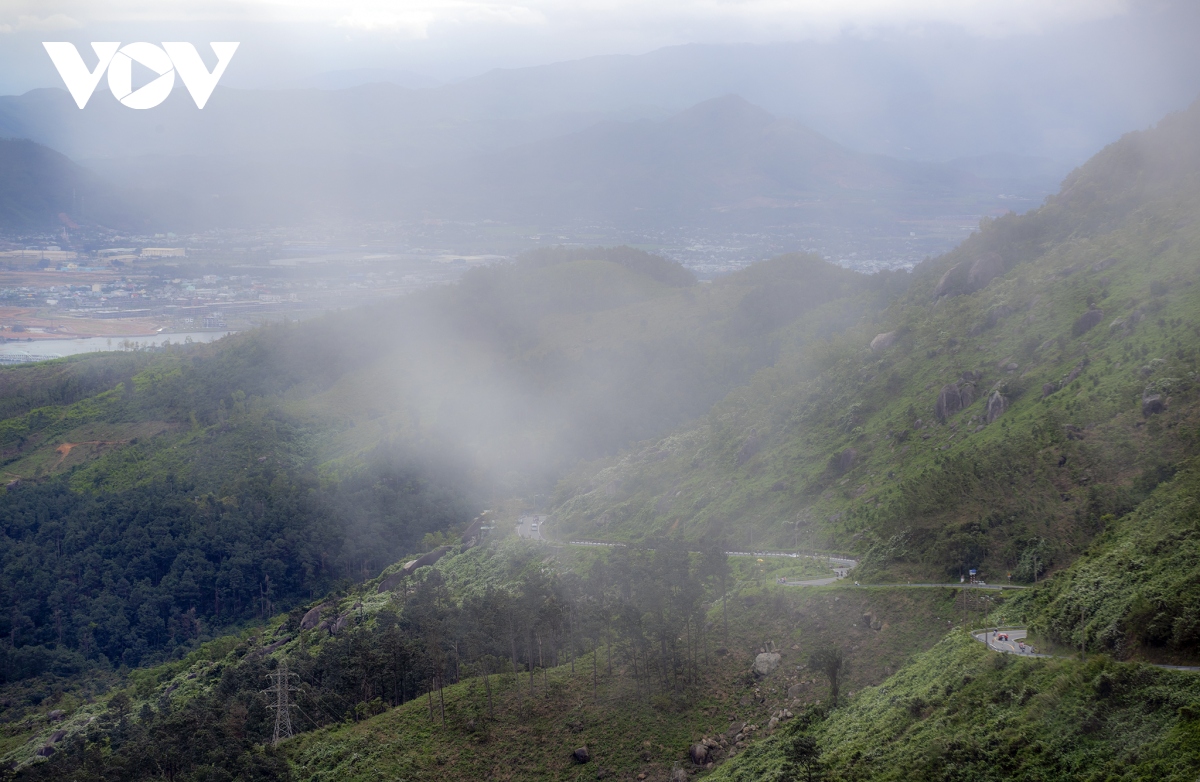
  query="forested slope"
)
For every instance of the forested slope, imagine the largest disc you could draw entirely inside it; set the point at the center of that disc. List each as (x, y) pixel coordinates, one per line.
(159, 497)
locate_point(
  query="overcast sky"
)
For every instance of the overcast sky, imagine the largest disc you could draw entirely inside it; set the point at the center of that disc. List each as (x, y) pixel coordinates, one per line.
(453, 39)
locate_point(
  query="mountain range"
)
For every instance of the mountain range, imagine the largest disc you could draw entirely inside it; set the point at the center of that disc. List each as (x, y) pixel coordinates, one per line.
(723, 162)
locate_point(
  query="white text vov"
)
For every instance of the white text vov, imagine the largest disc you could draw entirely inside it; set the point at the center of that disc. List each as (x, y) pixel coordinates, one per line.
(118, 60)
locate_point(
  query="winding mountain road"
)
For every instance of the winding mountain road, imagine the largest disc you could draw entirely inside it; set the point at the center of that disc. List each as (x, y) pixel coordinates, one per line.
(1015, 644)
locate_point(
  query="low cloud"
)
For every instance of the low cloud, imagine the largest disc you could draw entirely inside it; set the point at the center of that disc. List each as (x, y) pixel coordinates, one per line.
(30, 23)
(724, 19)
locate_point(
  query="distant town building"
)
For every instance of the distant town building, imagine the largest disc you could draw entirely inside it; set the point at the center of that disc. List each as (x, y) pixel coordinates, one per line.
(41, 255)
(163, 252)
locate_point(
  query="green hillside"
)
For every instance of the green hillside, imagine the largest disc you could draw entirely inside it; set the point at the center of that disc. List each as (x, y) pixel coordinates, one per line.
(185, 522)
(1001, 421)
(629, 653)
(962, 712)
(1134, 592)
(159, 498)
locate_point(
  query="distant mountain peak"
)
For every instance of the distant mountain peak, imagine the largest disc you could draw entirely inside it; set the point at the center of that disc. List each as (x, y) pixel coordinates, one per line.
(730, 111)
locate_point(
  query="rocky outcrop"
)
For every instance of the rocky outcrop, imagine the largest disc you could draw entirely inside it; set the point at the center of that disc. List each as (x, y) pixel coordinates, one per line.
(390, 582)
(1087, 321)
(698, 754)
(968, 277)
(273, 646)
(424, 560)
(996, 405)
(951, 283)
(883, 341)
(1048, 389)
(55, 715)
(1152, 404)
(983, 270)
(948, 402)
(845, 460)
(766, 663)
(341, 624)
(313, 617)
(953, 398)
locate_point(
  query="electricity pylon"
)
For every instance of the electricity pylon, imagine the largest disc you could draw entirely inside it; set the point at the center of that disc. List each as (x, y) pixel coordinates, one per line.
(282, 687)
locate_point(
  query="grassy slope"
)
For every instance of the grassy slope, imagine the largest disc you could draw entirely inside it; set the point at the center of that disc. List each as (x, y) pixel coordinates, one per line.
(928, 499)
(962, 712)
(1136, 591)
(534, 740)
(525, 741)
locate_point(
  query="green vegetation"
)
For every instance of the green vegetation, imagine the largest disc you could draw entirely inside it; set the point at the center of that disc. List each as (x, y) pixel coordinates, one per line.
(602, 660)
(1137, 590)
(1027, 405)
(1066, 365)
(962, 712)
(168, 496)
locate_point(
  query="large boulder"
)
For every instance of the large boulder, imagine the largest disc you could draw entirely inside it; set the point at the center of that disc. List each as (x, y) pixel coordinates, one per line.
(951, 283)
(581, 755)
(389, 583)
(424, 560)
(698, 753)
(1087, 321)
(983, 270)
(967, 277)
(1153, 404)
(766, 663)
(883, 341)
(313, 617)
(948, 402)
(845, 460)
(952, 398)
(996, 405)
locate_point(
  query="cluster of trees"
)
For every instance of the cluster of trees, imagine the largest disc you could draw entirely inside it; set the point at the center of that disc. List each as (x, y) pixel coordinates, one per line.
(641, 613)
(128, 577)
(635, 616)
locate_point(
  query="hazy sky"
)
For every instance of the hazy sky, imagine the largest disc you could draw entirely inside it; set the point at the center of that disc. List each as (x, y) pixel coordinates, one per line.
(450, 39)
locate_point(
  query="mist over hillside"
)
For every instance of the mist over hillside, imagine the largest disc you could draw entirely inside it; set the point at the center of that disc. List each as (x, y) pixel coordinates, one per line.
(727, 412)
(41, 189)
(721, 168)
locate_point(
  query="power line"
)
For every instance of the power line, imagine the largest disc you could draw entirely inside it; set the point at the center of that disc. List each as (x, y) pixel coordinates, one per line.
(282, 687)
